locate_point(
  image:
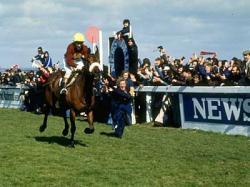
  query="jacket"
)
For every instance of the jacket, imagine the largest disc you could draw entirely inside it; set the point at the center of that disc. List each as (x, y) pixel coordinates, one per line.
(72, 54)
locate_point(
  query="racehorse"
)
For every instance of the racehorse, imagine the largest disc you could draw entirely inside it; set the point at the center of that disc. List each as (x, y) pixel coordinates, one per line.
(79, 98)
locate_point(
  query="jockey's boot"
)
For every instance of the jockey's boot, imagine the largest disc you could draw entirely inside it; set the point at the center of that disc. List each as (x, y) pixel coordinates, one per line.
(64, 86)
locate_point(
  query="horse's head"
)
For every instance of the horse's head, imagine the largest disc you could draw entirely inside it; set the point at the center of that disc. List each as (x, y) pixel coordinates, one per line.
(93, 58)
(94, 63)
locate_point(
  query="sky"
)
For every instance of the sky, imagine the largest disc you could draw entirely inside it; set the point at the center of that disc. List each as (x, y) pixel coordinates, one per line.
(183, 27)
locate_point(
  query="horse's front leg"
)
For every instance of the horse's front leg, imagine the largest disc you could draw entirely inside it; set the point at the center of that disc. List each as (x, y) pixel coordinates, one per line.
(73, 127)
(90, 117)
(66, 124)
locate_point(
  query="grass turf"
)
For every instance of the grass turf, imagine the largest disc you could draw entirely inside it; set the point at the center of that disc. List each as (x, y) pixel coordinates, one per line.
(145, 156)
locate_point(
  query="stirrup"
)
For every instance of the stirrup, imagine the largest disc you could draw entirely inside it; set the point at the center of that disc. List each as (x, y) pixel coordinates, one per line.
(64, 91)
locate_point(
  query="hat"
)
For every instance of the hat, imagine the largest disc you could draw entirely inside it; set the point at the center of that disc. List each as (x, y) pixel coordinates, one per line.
(78, 37)
(40, 48)
(246, 52)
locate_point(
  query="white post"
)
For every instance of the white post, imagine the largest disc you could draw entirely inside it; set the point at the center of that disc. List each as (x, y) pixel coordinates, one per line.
(133, 112)
(101, 49)
(108, 58)
(130, 32)
(148, 107)
(93, 47)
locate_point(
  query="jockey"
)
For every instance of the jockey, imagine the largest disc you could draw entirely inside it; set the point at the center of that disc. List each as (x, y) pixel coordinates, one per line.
(43, 62)
(74, 57)
(40, 56)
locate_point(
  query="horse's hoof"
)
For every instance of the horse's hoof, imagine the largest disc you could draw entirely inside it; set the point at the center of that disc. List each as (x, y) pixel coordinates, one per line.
(89, 130)
(42, 128)
(65, 132)
(72, 144)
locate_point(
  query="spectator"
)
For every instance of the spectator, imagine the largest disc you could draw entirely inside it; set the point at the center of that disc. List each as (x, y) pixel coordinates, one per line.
(47, 61)
(126, 31)
(133, 56)
(130, 85)
(246, 55)
(145, 73)
(102, 108)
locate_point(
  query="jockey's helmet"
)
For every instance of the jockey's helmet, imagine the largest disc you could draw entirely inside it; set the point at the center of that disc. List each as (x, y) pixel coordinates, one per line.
(78, 37)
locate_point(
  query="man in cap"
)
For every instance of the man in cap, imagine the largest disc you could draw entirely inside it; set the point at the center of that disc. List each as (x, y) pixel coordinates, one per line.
(75, 55)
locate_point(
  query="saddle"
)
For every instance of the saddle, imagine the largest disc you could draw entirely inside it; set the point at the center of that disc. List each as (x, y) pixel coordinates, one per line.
(70, 82)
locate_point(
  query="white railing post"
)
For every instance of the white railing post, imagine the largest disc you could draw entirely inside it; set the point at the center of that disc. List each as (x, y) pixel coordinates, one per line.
(133, 112)
(148, 107)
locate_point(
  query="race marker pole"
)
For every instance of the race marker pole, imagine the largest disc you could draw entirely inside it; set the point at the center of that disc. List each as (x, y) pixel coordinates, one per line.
(93, 47)
(108, 57)
(101, 49)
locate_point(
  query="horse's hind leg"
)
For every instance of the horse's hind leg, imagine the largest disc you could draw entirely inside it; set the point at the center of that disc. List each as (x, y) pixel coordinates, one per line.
(46, 109)
(73, 127)
(45, 119)
(66, 125)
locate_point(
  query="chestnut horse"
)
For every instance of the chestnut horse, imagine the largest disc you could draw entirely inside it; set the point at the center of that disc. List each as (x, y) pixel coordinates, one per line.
(79, 98)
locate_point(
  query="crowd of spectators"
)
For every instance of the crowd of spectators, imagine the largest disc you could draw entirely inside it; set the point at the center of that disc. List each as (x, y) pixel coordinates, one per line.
(32, 80)
(165, 70)
(196, 71)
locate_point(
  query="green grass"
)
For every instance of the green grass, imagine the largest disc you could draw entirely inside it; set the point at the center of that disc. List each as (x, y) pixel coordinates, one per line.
(145, 156)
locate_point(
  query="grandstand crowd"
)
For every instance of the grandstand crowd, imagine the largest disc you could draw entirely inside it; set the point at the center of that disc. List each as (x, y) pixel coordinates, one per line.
(165, 70)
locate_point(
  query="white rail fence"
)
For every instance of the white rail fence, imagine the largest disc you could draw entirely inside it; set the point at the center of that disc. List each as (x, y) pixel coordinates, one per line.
(219, 109)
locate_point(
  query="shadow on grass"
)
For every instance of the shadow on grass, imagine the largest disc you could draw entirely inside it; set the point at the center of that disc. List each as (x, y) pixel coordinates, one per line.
(60, 140)
(110, 134)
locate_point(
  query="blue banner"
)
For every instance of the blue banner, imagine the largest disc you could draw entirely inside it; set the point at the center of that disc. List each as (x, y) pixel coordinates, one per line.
(217, 108)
